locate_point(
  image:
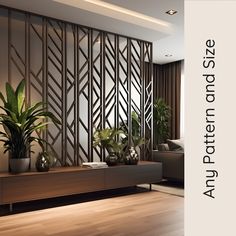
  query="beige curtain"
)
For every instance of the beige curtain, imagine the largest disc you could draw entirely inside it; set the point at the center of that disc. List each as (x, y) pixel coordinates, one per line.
(166, 85)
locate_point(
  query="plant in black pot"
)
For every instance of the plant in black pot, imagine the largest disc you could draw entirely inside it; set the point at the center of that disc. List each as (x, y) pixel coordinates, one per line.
(19, 121)
(110, 140)
(131, 151)
(161, 116)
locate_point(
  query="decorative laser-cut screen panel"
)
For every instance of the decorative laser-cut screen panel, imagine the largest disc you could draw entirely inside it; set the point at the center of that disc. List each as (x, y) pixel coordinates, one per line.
(88, 78)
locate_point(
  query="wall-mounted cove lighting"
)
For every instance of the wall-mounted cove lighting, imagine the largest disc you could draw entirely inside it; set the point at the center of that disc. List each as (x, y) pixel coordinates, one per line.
(168, 55)
(171, 12)
(115, 12)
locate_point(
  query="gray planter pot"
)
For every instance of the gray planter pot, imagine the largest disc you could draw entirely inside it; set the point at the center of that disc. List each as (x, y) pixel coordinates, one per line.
(19, 165)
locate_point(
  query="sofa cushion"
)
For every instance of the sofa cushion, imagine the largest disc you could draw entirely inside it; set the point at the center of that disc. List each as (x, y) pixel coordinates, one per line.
(175, 144)
(172, 164)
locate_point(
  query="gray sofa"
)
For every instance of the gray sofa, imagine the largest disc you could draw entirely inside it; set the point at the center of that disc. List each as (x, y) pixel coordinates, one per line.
(172, 162)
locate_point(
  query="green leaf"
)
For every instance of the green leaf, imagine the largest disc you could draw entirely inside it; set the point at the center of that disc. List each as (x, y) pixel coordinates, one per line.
(2, 98)
(41, 125)
(20, 95)
(161, 115)
(11, 98)
(109, 139)
(135, 124)
(47, 114)
(10, 114)
(34, 107)
(138, 141)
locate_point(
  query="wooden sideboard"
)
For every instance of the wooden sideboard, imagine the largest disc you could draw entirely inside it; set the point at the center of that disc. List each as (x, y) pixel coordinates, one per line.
(64, 181)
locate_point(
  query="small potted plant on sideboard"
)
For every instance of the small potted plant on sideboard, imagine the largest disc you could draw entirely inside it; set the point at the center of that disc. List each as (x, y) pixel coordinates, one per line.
(108, 138)
(19, 121)
(132, 151)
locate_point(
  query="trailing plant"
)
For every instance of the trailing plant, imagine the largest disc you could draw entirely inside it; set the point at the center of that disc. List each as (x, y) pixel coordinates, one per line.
(161, 116)
(20, 121)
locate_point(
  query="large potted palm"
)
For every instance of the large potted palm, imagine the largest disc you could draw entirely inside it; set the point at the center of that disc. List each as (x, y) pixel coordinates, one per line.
(19, 122)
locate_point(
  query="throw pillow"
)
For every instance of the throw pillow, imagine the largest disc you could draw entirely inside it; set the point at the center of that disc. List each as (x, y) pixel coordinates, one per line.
(175, 144)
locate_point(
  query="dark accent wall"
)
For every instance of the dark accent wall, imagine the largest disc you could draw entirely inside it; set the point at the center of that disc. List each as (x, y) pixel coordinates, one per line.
(88, 78)
(167, 85)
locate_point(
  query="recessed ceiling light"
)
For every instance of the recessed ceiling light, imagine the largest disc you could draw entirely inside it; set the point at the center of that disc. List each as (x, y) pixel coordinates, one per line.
(168, 55)
(171, 12)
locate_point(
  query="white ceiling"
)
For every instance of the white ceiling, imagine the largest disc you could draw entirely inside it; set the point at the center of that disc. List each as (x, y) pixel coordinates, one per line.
(167, 35)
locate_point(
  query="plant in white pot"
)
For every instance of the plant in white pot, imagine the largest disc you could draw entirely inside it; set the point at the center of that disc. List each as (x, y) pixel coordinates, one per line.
(19, 121)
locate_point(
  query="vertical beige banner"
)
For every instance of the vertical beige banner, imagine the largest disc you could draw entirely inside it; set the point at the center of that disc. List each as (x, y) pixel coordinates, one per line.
(210, 115)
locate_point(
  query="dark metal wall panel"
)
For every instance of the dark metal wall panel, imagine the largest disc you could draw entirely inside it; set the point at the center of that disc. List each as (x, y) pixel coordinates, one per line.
(136, 82)
(70, 93)
(147, 126)
(83, 93)
(35, 59)
(97, 87)
(110, 81)
(55, 90)
(34, 45)
(123, 81)
(88, 78)
(17, 46)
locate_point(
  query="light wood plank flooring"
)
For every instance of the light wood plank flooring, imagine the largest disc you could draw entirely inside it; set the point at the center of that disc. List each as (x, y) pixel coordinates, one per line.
(143, 213)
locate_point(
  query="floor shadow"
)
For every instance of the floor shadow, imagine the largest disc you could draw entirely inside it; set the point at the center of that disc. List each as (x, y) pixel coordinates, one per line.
(68, 200)
(172, 183)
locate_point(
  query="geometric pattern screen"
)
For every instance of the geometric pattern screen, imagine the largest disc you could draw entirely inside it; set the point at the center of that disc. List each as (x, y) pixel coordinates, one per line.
(88, 78)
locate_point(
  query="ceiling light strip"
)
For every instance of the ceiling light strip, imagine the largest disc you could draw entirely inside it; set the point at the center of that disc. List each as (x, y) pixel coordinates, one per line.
(127, 12)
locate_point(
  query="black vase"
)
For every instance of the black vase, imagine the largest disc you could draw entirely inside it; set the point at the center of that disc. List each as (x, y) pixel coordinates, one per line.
(112, 159)
(132, 157)
(42, 163)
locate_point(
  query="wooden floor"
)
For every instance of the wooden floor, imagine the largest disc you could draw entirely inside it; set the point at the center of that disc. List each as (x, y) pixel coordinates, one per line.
(143, 213)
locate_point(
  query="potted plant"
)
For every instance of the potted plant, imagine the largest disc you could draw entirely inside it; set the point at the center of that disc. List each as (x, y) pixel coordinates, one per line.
(19, 121)
(132, 156)
(109, 139)
(161, 115)
(137, 140)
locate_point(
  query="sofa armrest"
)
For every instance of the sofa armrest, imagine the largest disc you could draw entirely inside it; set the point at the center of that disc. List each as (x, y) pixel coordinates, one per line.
(172, 163)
